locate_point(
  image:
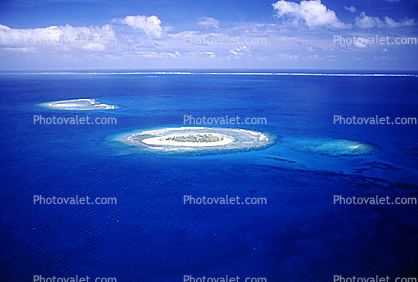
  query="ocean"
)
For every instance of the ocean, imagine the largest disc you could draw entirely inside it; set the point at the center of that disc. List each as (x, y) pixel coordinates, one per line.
(299, 234)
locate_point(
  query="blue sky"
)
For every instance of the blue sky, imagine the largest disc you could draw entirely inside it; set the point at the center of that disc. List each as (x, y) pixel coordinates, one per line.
(251, 34)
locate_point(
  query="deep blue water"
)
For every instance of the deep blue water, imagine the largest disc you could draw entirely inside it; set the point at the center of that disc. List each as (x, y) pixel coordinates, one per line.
(150, 235)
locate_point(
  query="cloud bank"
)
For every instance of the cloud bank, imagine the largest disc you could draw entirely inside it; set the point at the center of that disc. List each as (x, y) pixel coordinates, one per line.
(209, 22)
(150, 25)
(365, 21)
(83, 37)
(313, 14)
(352, 9)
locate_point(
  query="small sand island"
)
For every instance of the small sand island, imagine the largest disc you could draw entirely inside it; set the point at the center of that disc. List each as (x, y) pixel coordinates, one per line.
(79, 104)
(189, 139)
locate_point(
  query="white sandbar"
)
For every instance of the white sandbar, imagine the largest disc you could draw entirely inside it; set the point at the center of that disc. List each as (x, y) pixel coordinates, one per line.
(229, 139)
(79, 104)
(161, 141)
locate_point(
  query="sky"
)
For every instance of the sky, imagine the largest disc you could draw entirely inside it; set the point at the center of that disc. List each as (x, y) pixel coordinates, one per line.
(197, 34)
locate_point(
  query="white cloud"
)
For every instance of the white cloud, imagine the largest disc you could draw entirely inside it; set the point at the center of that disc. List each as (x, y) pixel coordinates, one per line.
(406, 22)
(307, 47)
(21, 49)
(352, 9)
(94, 46)
(4, 27)
(208, 22)
(240, 51)
(55, 36)
(360, 44)
(368, 22)
(207, 54)
(385, 58)
(20, 37)
(150, 25)
(311, 13)
(315, 57)
(365, 21)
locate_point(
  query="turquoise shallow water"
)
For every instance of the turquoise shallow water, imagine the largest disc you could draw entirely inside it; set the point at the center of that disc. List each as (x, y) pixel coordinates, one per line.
(150, 235)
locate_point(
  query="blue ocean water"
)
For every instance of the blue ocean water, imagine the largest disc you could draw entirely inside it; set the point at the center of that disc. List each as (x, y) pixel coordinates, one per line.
(150, 235)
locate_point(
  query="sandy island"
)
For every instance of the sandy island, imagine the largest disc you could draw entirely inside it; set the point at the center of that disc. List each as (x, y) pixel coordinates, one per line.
(79, 104)
(223, 140)
(185, 139)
